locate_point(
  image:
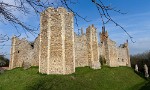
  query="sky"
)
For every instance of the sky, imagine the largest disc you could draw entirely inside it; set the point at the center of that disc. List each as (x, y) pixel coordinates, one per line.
(136, 22)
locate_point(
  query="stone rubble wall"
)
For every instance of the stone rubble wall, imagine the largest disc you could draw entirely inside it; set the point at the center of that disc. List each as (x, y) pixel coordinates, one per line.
(115, 56)
(59, 53)
(81, 54)
(69, 43)
(86, 49)
(56, 60)
(122, 57)
(112, 51)
(35, 59)
(92, 45)
(58, 50)
(43, 48)
(22, 51)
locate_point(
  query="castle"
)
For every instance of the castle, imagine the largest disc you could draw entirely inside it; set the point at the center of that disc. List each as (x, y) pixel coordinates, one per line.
(59, 50)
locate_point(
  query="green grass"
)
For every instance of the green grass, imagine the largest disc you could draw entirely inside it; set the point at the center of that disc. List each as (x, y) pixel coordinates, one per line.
(122, 78)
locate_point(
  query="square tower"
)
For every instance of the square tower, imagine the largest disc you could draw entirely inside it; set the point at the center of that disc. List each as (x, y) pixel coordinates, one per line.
(56, 55)
(92, 45)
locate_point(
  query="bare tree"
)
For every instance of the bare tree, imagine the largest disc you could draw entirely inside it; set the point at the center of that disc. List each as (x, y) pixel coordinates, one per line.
(6, 10)
(24, 6)
(3, 38)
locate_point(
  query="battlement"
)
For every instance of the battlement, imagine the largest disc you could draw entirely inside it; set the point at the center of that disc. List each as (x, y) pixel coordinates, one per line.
(58, 11)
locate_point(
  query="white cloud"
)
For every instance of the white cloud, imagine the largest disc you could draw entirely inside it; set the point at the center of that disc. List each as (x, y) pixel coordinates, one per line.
(138, 27)
(141, 45)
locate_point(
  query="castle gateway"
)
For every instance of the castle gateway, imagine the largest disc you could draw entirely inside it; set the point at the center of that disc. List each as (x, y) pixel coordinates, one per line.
(58, 50)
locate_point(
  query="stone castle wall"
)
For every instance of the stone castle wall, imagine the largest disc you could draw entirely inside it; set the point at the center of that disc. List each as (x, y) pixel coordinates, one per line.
(58, 50)
(86, 49)
(115, 56)
(23, 51)
(123, 55)
(112, 52)
(81, 55)
(35, 54)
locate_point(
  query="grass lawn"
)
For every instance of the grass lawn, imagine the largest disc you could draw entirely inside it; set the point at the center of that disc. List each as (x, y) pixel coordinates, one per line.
(120, 78)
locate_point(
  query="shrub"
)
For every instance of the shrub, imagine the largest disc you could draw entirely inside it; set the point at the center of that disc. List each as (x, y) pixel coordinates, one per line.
(102, 60)
(3, 61)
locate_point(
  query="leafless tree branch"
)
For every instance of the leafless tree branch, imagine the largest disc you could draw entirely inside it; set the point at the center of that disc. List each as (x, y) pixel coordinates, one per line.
(104, 13)
(23, 6)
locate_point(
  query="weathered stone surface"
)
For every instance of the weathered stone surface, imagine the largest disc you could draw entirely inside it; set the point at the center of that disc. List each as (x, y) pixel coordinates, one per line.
(92, 47)
(24, 51)
(146, 71)
(81, 54)
(115, 56)
(57, 50)
(136, 68)
(26, 65)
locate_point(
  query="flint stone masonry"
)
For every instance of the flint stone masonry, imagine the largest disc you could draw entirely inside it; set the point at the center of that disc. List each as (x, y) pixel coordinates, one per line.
(57, 42)
(86, 49)
(58, 50)
(24, 51)
(26, 65)
(81, 54)
(115, 56)
(92, 45)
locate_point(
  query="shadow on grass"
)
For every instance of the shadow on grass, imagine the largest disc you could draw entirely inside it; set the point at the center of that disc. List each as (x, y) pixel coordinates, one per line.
(145, 86)
(61, 82)
(44, 84)
(141, 75)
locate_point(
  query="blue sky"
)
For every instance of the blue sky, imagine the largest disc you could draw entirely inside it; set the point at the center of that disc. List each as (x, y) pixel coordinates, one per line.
(136, 22)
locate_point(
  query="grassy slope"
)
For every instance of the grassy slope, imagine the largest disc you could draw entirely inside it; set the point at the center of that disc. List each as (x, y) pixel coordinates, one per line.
(122, 78)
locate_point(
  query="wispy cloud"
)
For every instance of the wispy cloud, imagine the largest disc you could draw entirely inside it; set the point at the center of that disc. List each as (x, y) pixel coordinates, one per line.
(137, 25)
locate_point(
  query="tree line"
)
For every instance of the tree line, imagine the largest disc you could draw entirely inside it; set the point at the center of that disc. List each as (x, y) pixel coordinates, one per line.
(4, 62)
(141, 59)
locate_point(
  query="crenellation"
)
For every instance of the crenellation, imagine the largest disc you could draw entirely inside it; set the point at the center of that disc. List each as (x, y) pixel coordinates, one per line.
(61, 10)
